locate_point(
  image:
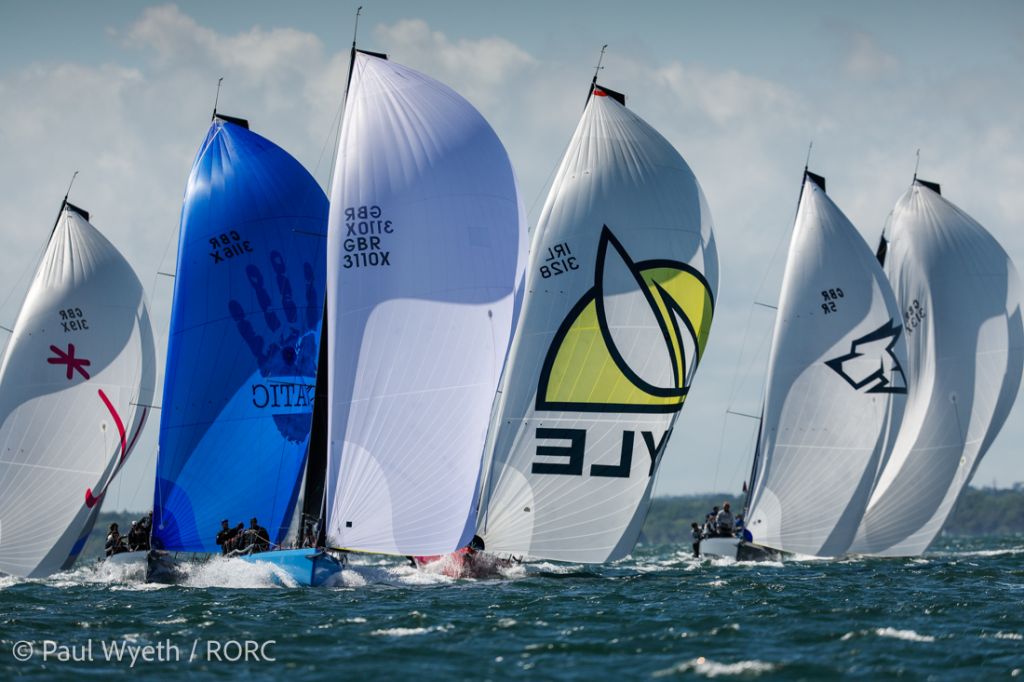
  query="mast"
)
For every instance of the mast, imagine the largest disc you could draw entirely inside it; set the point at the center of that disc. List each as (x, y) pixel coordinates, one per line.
(818, 180)
(313, 498)
(67, 204)
(753, 468)
(314, 501)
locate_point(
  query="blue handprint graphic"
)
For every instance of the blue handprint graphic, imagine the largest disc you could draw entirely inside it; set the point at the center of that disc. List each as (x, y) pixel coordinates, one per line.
(291, 354)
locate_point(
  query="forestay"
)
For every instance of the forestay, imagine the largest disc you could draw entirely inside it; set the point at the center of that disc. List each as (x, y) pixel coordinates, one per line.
(425, 244)
(960, 297)
(620, 292)
(837, 362)
(75, 388)
(242, 350)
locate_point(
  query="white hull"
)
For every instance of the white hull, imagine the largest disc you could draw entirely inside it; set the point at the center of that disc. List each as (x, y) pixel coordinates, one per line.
(128, 558)
(719, 547)
(737, 549)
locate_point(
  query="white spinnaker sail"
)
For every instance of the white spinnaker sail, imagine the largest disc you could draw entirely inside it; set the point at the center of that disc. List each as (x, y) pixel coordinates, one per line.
(960, 296)
(425, 248)
(620, 290)
(836, 362)
(74, 386)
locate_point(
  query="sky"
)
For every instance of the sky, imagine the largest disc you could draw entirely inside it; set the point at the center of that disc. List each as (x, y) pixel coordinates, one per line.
(122, 92)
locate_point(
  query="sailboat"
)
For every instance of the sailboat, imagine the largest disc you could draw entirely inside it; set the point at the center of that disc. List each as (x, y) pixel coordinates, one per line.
(959, 293)
(242, 351)
(620, 293)
(834, 393)
(425, 250)
(75, 388)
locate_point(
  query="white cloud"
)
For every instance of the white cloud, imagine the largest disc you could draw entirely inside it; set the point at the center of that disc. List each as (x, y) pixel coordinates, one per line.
(132, 124)
(866, 59)
(482, 67)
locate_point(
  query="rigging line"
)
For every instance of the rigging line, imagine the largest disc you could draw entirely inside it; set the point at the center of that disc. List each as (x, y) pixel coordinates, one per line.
(543, 192)
(216, 99)
(760, 288)
(917, 164)
(39, 253)
(743, 414)
(310, 233)
(597, 69)
(64, 203)
(335, 130)
(75, 175)
(355, 30)
(766, 305)
(721, 449)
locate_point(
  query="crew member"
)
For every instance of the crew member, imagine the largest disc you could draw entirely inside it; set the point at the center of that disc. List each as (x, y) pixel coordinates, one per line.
(258, 537)
(696, 535)
(115, 543)
(137, 540)
(724, 521)
(225, 536)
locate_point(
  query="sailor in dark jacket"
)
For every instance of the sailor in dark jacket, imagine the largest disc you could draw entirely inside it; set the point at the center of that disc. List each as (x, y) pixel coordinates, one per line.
(224, 537)
(259, 538)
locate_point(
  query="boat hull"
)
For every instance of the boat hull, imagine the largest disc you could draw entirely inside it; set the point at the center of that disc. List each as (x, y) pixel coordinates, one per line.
(127, 558)
(740, 550)
(162, 567)
(307, 567)
(464, 564)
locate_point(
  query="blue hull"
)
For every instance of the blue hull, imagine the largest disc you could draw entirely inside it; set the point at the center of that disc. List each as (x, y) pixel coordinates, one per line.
(308, 567)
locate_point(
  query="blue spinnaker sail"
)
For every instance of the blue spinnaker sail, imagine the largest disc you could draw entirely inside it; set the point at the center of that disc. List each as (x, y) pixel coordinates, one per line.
(243, 341)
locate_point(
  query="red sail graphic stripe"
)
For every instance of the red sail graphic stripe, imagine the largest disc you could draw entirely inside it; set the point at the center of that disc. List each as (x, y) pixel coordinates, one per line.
(117, 420)
(90, 499)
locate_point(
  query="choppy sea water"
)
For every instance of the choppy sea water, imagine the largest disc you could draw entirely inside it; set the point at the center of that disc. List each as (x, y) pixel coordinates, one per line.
(956, 613)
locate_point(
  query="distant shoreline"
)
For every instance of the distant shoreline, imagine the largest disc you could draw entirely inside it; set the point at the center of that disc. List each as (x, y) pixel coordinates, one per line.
(981, 511)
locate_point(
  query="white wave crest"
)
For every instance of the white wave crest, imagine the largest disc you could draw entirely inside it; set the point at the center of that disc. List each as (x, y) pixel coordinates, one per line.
(708, 668)
(236, 573)
(907, 635)
(406, 632)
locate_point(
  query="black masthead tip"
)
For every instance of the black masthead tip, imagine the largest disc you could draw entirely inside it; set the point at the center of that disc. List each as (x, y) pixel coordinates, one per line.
(818, 180)
(240, 122)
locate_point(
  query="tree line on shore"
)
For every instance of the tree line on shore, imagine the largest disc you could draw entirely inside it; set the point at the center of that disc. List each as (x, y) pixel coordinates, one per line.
(981, 511)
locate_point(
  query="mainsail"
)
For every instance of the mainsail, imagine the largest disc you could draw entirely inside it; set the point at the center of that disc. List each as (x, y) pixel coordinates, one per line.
(960, 297)
(75, 387)
(242, 349)
(837, 362)
(620, 292)
(425, 250)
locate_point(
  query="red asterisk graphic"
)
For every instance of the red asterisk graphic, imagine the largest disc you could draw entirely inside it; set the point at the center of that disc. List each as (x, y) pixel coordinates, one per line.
(74, 364)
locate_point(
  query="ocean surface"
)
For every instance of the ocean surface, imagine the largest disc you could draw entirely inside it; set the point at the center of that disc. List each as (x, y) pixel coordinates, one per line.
(956, 613)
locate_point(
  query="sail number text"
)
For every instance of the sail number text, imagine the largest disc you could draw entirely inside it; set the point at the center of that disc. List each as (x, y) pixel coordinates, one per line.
(830, 296)
(282, 394)
(913, 316)
(568, 460)
(228, 245)
(365, 232)
(559, 261)
(73, 320)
